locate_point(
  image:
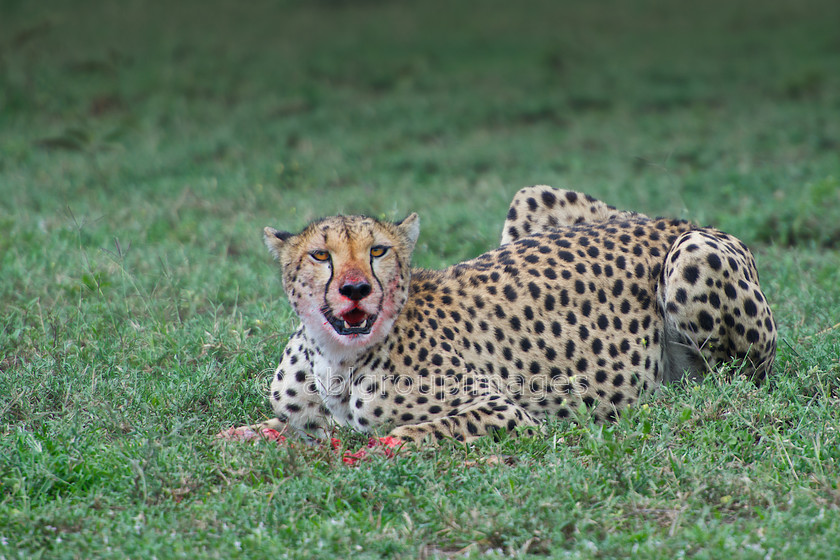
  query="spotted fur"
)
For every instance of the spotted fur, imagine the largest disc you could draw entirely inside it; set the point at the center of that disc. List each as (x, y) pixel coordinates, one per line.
(582, 305)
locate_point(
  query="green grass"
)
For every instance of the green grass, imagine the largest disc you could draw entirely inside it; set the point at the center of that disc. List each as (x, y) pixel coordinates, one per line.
(144, 145)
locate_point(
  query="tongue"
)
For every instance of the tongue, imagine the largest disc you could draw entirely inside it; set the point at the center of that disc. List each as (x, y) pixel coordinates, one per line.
(354, 317)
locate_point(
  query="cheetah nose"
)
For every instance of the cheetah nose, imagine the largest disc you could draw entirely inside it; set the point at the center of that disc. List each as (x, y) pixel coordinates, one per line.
(355, 292)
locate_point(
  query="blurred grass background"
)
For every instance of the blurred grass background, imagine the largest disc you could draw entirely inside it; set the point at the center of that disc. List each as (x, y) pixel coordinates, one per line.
(144, 145)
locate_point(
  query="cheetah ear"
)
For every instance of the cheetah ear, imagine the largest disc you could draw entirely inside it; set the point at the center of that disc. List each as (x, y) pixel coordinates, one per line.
(409, 228)
(275, 240)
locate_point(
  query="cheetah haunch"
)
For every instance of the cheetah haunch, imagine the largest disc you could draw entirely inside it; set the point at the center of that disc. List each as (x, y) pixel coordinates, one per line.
(582, 305)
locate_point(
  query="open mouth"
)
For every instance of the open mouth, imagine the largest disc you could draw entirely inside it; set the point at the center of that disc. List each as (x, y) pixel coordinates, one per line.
(354, 321)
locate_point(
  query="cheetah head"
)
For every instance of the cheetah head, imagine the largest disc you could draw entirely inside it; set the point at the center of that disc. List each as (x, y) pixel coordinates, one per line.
(347, 277)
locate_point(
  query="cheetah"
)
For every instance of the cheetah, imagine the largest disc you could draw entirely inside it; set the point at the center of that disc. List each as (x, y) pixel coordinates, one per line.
(581, 307)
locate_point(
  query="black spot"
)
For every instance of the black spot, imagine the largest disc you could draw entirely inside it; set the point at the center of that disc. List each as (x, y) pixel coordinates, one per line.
(691, 274)
(549, 302)
(705, 320)
(510, 293)
(564, 298)
(714, 261)
(750, 308)
(730, 291)
(549, 199)
(603, 322)
(583, 332)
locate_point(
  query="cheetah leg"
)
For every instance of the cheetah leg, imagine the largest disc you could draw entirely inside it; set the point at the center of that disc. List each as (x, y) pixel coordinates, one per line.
(302, 415)
(541, 208)
(297, 406)
(481, 416)
(713, 306)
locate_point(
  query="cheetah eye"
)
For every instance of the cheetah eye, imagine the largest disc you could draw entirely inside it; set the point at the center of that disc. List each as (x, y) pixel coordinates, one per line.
(378, 251)
(320, 255)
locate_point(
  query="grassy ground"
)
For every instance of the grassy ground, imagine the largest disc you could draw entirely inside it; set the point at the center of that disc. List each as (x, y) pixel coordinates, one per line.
(144, 145)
